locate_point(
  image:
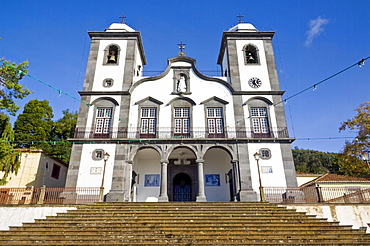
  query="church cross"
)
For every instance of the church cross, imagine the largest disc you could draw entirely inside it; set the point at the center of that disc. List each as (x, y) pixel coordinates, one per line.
(240, 18)
(181, 46)
(123, 19)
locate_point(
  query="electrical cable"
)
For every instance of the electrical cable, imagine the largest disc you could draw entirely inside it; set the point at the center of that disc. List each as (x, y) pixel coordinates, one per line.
(360, 63)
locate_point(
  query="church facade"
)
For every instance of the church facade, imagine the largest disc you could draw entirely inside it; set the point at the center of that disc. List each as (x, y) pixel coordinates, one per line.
(181, 135)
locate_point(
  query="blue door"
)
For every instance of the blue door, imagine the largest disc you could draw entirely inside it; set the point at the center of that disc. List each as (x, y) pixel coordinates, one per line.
(182, 188)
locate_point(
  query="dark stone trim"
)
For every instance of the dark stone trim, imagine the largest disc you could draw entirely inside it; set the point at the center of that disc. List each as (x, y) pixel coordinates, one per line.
(217, 99)
(107, 99)
(90, 93)
(195, 70)
(288, 163)
(83, 111)
(267, 101)
(189, 100)
(183, 140)
(241, 36)
(91, 65)
(121, 36)
(151, 99)
(259, 93)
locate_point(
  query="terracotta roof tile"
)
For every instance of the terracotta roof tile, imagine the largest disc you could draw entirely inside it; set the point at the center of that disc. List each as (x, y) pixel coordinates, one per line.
(335, 177)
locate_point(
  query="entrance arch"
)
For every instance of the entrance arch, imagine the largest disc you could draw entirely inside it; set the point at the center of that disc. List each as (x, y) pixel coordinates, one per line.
(182, 188)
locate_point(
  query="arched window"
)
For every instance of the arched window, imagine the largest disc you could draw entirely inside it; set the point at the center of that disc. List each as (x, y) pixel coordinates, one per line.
(111, 54)
(215, 117)
(251, 54)
(181, 116)
(148, 117)
(103, 117)
(259, 116)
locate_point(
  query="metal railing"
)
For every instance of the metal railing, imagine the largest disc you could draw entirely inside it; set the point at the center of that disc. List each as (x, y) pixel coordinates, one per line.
(210, 73)
(82, 195)
(169, 132)
(312, 194)
(43, 195)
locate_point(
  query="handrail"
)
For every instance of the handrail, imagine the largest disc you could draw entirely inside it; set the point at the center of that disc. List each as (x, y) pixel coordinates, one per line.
(170, 132)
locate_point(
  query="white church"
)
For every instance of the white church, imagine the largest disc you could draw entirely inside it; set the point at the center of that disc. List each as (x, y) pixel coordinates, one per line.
(181, 135)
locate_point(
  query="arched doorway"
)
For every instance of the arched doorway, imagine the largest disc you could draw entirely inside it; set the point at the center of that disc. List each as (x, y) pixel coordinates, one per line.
(182, 188)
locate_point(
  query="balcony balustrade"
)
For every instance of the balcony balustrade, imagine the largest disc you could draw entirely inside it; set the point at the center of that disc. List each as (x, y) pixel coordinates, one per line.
(170, 133)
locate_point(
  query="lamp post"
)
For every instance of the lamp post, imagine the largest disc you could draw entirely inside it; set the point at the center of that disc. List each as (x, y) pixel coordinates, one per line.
(365, 156)
(262, 192)
(101, 193)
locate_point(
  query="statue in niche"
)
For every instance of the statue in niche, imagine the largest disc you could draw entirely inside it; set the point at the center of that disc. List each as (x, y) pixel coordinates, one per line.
(181, 84)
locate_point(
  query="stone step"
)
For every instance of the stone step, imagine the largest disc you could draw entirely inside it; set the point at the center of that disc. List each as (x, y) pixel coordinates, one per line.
(186, 229)
(173, 241)
(169, 234)
(174, 210)
(205, 219)
(183, 224)
(183, 215)
(160, 223)
(193, 227)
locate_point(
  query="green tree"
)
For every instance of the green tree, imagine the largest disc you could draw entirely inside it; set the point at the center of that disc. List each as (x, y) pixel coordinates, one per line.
(9, 159)
(312, 161)
(11, 89)
(63, 129)
(361, 124)
(353, 150)
(33, 128)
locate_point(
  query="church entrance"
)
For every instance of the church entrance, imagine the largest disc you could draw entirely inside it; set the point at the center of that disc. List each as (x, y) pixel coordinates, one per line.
(182, 188)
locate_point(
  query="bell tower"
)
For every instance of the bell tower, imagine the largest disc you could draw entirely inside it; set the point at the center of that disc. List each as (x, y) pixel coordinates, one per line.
(115, 62)
(248, 64)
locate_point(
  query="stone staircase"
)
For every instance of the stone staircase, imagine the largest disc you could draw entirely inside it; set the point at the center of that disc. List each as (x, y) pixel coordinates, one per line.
(229, 223)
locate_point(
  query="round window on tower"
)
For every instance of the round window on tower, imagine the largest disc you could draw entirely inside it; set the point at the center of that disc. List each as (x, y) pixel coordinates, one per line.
(265, 154)
(97, 154)
(108, 83)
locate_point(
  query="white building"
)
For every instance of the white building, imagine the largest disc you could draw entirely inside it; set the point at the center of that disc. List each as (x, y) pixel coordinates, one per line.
(36, 170)
(181, 135)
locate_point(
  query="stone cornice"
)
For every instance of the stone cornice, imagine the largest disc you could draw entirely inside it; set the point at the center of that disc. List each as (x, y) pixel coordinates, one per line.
(149, 141)
(100, 93)
(193, 67)
(259, 93)
(241, 36)
(119, 36)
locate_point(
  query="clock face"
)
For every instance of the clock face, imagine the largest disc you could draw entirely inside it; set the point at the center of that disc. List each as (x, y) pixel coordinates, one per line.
(255, 82)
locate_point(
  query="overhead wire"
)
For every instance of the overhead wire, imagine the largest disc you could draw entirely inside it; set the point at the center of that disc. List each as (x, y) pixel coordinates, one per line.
(314, 86)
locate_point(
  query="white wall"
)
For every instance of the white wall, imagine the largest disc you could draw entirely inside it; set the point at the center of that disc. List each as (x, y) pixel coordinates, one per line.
(161, 90)
(15, 216)
(142, 167)
(248, 71)
(217, 161)
(114, 72)
(274, 179)
(357, 215)
(88, 179)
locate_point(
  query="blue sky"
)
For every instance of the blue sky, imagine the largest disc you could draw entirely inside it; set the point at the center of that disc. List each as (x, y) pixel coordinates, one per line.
(313, 40)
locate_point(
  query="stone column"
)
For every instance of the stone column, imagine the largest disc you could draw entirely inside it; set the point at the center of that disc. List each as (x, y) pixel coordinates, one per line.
(163, 197)
(246, 192)
(201, 197)
(121, 182)
(236, 186)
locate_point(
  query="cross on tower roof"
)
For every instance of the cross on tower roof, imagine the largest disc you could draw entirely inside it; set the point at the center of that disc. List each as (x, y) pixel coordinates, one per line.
(123, 19)
(240, 18)
(181, 46)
